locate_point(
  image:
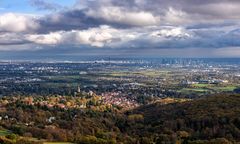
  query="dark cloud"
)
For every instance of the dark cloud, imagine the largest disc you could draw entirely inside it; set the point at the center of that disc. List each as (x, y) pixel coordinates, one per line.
(196, 9)
(44, 5)
(12, 39)
(140, 13)
(132, 13)
(67, 20)
(78, 19)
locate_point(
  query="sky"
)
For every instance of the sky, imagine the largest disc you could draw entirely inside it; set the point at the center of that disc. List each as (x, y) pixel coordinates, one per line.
(153, 28)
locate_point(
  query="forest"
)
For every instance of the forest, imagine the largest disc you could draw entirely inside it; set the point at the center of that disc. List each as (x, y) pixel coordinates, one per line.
(213, 119)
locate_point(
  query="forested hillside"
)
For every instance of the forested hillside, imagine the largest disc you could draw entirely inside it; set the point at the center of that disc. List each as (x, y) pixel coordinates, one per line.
(214, 119)
(204, 119)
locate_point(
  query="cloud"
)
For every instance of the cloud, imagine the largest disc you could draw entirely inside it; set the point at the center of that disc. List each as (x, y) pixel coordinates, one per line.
(228, 52)
(96, 37)
(126, 25)
(67, 21)
(47, 39)
(11, 22)
(215, 10)
(20, 49)
(44, 5)
(138, 13)
(7, 39)
(135, 38)
(172, 32)
(185, 10)
(124, 16)
(177, 17)
(84, 19)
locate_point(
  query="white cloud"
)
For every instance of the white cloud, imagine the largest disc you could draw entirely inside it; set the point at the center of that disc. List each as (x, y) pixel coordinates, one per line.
(11, 22)
(124, 16)
(96, 37)
(171, 32)
(174, 16)
(49, 39)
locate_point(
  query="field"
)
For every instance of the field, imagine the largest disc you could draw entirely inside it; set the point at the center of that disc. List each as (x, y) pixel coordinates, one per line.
(4, 132)
(202, 85)
(207, 88)
(150, 73)
(227, 88)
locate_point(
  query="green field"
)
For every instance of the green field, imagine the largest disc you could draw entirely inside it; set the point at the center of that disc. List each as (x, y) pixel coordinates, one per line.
(203, 88)
(193, 90)
(227, 88)
(202, 85)
(150, 73)
(4, 132)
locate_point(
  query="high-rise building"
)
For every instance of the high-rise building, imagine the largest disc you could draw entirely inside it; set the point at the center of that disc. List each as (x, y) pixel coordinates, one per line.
(78, 89)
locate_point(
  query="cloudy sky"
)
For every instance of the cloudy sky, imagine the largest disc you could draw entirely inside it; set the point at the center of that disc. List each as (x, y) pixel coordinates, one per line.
(159, 28)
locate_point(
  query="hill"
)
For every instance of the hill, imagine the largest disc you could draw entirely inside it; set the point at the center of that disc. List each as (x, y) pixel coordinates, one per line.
(215, 118)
